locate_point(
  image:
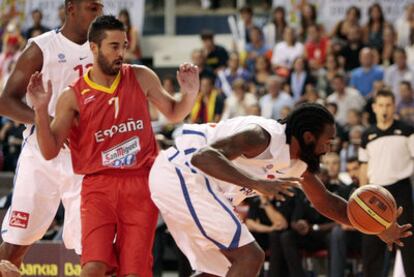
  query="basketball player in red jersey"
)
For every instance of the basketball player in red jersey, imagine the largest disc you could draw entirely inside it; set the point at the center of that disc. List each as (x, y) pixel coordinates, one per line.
(105, 116)
(39, 186)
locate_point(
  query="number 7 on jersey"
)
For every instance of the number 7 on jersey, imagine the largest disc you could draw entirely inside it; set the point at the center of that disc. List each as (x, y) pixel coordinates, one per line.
(115, 102)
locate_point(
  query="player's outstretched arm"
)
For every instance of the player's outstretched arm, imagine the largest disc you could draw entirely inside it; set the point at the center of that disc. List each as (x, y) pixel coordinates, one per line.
(334, 207)
(215, 160)
(327, 203)
(174, 110)
(51, 135)
(11, 104)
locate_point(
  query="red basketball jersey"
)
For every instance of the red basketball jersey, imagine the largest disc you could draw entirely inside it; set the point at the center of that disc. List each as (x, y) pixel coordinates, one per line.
(114, 133)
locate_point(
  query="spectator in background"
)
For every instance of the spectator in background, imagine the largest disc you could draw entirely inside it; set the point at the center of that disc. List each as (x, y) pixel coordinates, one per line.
(12, 136)
(308, 17)
(216, 55)
(273, 31)
(255, 48)
(326, 75)
(37, 17)
(351, 146)
(363, 78)
(404, 26)
(410, 49)
(133, 54)
(8, 57)
(350, 52)
(374, 29)
(232, 72)
(286, 51)
(311, 95)
(368, 115)
(275, 99)
(405, 107)
(239, 102)
(344, 239)
(345, 98)
(343, 27)
(353, 118)
(309, 231)
(261, 73)
(266, 219)
(199, 59)
(332, 164)
(398, 72)
(209, 104)
(246, 23)
(388, 47)
(263, 219)
(299, 77)
(316, 47)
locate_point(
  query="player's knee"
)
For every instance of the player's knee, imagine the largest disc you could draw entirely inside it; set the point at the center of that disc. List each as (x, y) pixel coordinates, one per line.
(254, 258)
(93, 269)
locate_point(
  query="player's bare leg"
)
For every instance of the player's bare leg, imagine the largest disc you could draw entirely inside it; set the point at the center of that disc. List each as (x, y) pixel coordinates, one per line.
(245, 261)
(13, 253)
(94, 269)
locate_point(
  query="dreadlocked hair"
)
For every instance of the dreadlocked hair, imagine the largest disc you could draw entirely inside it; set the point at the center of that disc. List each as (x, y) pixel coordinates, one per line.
(307, 118)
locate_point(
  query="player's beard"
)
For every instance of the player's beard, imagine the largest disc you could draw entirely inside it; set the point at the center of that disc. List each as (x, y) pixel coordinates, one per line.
(106, 66)
(307, 154)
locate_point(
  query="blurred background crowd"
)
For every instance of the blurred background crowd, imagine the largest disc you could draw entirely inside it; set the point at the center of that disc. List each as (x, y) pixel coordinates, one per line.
(273, 64)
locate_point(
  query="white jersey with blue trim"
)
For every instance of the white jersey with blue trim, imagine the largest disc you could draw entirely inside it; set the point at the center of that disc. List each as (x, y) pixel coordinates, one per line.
(273, 163)
(64, 62)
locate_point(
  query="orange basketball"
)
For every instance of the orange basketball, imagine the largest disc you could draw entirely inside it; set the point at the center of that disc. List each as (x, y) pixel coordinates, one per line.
(371, 209)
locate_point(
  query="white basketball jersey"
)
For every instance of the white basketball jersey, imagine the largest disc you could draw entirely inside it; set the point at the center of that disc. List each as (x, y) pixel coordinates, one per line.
(273, 163)
(64, 62)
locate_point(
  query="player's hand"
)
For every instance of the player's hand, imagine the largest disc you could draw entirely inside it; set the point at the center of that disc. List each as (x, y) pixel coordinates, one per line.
(7, 269)
(39, 97)
(301, 226)
(188, 78)
(347, 227)
(396, 232)
(278, 188)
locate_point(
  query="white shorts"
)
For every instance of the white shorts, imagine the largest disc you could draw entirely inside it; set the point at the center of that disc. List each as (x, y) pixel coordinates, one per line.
(39, 186)
(199, 217)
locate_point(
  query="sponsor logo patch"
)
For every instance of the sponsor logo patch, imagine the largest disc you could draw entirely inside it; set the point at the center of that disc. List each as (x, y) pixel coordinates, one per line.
(123, 154)
(61, 58)
(19, 219)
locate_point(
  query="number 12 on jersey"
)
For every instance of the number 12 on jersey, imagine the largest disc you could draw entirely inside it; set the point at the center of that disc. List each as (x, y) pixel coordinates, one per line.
(115, 101)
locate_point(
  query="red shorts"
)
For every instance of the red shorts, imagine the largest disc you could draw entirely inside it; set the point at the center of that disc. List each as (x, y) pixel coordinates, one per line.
(118, 208)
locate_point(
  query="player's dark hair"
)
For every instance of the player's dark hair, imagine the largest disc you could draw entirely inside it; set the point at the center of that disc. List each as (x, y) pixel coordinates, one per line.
(352, 159)
(308, 117)
(385, 93)
(102, 24)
